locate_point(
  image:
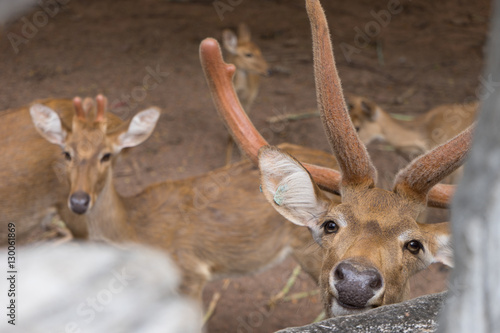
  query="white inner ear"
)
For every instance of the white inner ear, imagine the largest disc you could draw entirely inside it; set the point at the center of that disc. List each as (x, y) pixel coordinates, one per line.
(289, 188)
(140, 128)
(48, 123)
(230, 41)
(444, 253)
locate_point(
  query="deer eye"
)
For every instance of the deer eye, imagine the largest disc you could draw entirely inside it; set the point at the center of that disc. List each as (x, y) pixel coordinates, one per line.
(330, 227)
(106, 157)
(67, 156)
(248, 55)
(414, 246)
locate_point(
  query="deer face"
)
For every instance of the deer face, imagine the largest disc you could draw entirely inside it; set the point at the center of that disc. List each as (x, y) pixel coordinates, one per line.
(88, 154)
(88, 149)
(245, 55)
(372, 242)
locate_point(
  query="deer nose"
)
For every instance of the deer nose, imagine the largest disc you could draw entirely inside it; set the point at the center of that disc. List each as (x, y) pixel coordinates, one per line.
(356, 284)
(79, 202)
(269, 72)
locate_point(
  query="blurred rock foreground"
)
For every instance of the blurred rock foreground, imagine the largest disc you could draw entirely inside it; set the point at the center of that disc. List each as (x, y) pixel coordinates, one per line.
(99, 288)
(416, 315)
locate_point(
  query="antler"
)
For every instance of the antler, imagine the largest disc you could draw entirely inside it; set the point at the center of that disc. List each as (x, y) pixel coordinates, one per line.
(102, 105)
(423, 173)
(77, 103)
(219, 78)
(354, 161)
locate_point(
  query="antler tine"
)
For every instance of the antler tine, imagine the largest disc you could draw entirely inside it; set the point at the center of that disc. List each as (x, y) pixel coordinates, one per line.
(423, 173)
(77, 103)
(440, 196)
(219, 78)
(354, 162)
(102, 105)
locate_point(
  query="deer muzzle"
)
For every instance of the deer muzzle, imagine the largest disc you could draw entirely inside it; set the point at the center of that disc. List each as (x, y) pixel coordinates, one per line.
(79, 202)
(356, 286)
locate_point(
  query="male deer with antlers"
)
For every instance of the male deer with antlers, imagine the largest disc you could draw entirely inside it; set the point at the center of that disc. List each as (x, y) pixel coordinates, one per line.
(371, 242)
(209, 234)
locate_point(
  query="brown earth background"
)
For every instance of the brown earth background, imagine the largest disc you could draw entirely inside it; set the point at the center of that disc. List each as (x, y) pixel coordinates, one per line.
(428, 54)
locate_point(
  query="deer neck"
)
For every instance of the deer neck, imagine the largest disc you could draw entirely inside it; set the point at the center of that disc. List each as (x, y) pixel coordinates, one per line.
(246, 84)
(405, 136)
(108, 220)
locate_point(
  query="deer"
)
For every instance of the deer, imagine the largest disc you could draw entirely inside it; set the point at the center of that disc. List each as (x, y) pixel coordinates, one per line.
(415, 137)
(371, 242)
(249, 62)
(250, 67)
(213, 225)
(31, 194)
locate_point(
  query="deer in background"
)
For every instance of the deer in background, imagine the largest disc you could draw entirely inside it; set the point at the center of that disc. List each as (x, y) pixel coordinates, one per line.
(249, 62)
(370, 241)
(250, 67)
(208, 233)
(32, 192)
(411, 138)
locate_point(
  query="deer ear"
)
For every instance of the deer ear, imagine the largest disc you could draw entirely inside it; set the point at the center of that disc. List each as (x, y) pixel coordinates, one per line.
(440, 244)
(48, 124)
(244, 34)
(289, 188)
(369, 109)
(140, 128)
(230, 41)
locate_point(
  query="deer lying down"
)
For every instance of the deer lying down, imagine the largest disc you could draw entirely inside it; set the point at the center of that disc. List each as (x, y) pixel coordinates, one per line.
(213, 225)
(371, 242)
(415, 137)
(31, 192)
(411, 138)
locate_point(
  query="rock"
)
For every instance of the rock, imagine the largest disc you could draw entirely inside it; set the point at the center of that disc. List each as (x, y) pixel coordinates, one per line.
(416, 315)
(99, 288)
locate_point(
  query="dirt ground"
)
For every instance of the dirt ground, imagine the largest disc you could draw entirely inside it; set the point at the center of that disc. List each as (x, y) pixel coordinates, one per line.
(429, 53)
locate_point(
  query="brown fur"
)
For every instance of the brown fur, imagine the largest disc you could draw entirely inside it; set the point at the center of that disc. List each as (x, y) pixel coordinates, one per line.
(33, 188)
(249, 62)
(411, 138)
(374, 226)
(213, 225)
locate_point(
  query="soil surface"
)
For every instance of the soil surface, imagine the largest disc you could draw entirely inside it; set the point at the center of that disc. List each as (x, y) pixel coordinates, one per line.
(424, 54)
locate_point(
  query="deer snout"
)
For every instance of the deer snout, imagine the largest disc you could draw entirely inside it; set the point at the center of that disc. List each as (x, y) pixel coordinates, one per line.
(355, 285)
(79, 202)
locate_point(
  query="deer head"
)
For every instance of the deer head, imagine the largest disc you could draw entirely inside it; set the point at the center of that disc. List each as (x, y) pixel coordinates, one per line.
(372, 241)
(364, 114)
(88, 146)
(244, 53)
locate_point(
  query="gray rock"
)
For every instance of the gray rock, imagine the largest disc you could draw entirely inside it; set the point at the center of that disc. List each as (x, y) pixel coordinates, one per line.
(416, 315)
(99, 288)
